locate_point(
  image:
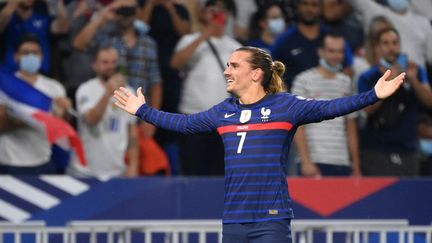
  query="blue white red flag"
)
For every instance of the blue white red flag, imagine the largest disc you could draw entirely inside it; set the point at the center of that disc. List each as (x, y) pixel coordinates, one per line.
(31, 106)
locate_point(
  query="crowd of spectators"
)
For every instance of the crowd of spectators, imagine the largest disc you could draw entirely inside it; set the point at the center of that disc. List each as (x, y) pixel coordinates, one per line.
(78, 51)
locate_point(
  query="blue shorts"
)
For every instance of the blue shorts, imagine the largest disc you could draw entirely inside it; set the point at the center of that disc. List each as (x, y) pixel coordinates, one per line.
(272, 231)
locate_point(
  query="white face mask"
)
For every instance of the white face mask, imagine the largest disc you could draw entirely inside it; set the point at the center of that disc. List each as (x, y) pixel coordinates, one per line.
(276, 26)
(142, 27)
(328, 67)
(398, 5)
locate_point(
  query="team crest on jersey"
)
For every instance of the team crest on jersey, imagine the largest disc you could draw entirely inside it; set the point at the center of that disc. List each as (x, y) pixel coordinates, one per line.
(245, 116)
(265, 114)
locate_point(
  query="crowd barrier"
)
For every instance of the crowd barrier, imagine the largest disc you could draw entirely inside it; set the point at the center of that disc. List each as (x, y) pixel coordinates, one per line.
(209, 231)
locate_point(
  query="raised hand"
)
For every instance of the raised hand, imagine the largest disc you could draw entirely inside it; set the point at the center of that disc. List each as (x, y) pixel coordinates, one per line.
(128, 101)
(384, 88)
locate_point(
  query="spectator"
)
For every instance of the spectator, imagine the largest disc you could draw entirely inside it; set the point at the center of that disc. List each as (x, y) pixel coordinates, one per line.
(416, 31)
(25, 150)
(377, 24)
(297, 47)
(339, 16)
(204, 85)
(389, 139)
(328, 148)
(19, 18)
(168, 22)
(287, 6)
(266, 25)
(108, 134)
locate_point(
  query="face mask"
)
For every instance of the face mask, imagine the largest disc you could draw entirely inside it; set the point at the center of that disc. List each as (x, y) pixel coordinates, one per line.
(328, 67)
(398, 5)
(402, 60)
(141, 27)
(30, 63)
(276, 26)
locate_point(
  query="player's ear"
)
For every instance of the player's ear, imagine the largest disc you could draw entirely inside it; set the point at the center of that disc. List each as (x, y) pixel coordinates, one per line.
(256, 74)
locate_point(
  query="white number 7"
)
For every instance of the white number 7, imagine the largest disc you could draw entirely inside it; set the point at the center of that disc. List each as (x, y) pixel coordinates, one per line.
(242, 136)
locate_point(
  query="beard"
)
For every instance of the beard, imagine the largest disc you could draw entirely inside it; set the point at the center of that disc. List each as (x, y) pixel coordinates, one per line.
(308, 22)
(106, 75)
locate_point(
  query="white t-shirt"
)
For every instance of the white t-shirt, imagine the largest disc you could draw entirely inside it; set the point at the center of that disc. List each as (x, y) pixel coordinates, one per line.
(327, 140)
(28, 147)
(204, 84)
(105, 143)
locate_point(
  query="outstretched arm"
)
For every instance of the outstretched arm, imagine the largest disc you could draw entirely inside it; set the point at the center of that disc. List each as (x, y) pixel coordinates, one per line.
(136, 105)
(308, 111)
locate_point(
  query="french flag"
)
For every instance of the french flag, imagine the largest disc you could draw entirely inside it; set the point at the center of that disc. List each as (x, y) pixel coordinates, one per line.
(32, 107)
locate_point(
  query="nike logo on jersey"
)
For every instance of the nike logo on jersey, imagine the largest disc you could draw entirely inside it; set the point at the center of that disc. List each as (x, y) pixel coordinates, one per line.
(229, 115)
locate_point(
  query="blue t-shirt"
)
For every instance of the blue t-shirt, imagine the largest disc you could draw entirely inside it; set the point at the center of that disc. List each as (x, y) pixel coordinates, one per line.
(399, 134)
(37, 24)
(257, 139)
(299, 53)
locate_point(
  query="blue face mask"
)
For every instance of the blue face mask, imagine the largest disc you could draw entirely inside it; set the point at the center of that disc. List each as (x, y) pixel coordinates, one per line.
(141, 27)
(398, 5)
(402, 60)
(30, 63)
(276, 26)
(328, 67)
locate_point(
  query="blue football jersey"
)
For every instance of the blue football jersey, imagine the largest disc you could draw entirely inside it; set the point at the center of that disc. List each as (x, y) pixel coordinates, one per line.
(257, 139)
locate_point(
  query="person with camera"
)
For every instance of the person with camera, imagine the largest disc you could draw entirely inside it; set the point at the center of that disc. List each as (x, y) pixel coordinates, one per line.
(200, 57)
(107, 133)
(389, 139)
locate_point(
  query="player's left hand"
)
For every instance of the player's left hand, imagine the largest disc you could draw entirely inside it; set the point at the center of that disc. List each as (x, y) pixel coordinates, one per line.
(128, 101)
(384, 88)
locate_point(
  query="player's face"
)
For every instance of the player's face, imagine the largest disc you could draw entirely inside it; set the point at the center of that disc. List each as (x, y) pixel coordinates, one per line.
(333, 50)
(389, 46)
(239, 74)
(106, 63)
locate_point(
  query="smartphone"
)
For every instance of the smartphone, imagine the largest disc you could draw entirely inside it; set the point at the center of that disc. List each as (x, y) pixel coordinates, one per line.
(219, 18)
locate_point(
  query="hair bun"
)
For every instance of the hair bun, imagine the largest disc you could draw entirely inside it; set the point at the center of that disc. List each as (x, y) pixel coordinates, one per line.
(279, 67)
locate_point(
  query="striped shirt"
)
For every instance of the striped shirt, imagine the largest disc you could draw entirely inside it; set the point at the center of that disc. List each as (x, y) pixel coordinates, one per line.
(327, 141)
(257, 139)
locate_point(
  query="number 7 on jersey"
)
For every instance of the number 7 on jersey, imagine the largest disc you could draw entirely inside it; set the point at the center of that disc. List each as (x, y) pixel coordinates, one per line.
(242, 136)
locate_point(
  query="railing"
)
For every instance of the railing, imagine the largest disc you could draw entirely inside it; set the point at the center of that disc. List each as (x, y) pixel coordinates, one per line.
(176, 231)
(182, 231)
